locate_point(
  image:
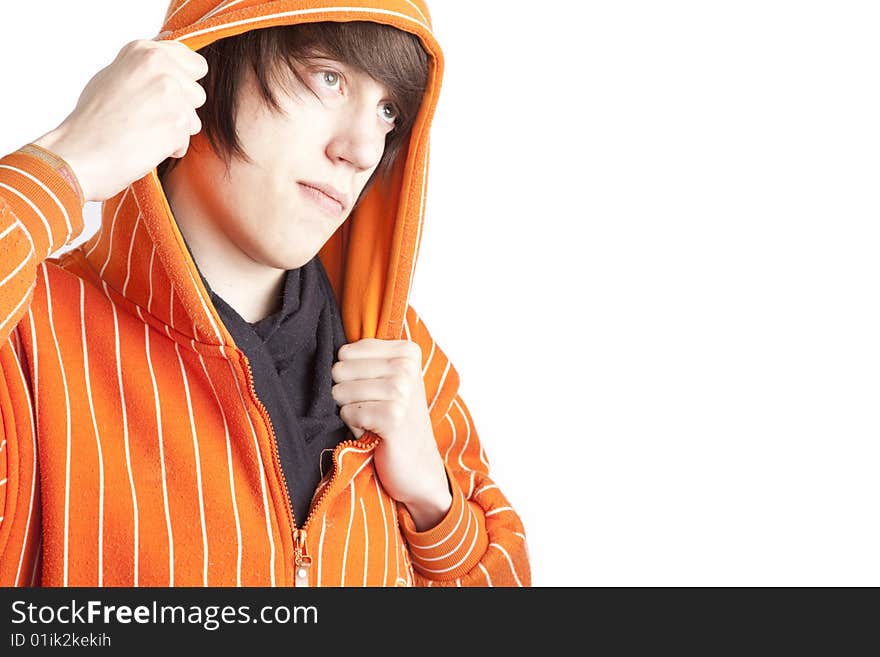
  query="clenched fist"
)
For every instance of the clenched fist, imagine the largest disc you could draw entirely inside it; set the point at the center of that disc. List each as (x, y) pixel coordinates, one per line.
(131, 115)
(379, 388)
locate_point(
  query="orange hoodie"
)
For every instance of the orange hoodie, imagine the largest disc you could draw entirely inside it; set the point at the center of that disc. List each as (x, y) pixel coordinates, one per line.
(135, 451)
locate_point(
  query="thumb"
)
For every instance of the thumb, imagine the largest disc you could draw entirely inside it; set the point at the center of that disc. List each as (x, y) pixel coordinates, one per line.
(357, 431)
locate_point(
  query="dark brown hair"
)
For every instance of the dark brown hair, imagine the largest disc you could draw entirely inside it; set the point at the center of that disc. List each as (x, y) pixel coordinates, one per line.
(390, 56)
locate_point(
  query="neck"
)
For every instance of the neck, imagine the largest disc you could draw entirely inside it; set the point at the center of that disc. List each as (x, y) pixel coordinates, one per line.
(251, 288)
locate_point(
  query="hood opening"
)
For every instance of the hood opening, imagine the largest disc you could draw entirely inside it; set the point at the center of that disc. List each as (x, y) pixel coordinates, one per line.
(139, 251)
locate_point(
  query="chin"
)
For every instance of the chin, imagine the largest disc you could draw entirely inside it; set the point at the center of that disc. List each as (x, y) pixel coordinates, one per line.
(289, 260)
(299, 251)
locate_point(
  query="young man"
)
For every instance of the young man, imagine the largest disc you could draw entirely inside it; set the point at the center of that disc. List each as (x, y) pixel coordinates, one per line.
(226, 385)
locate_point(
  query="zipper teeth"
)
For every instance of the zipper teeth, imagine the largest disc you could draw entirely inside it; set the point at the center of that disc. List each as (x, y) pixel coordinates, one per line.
(335, 475)
(277, 460)
(273, 442)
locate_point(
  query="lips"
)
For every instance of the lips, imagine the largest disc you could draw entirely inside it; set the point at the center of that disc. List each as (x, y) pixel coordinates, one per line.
(322, 200)
(329, 190)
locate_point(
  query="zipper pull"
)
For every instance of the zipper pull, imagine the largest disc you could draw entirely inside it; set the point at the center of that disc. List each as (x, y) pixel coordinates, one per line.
(302, 562)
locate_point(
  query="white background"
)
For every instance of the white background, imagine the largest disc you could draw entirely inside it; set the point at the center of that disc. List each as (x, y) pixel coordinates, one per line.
(650, 251)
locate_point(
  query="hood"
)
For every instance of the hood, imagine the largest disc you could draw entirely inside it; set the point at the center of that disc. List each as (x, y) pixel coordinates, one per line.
(139, 252)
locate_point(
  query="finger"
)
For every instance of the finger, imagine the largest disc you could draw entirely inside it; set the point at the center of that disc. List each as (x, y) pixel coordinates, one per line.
(373, 368)
(193, 123)
(179, 153)
(193, 92)
(366, 390)
(363, 415)
(374, 348)
(193, 64)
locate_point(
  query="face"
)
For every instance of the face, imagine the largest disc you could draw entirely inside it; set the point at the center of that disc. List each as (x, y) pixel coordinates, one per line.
(270, 209)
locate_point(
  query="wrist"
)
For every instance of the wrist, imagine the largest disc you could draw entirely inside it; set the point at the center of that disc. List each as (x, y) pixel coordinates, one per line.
(54, 149)
(430, 508)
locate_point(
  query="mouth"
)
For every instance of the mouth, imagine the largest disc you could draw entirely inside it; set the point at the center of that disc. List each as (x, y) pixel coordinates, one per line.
(322, 200)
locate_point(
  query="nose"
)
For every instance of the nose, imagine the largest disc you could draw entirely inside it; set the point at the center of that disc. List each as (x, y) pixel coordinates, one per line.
(358, 139)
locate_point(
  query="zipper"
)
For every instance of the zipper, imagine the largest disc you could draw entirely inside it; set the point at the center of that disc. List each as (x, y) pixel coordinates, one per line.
(302, 562)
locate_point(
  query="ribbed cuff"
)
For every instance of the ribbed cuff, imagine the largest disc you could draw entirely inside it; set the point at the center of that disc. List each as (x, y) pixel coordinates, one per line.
(42, 198)
(455, 545)
(59, 164)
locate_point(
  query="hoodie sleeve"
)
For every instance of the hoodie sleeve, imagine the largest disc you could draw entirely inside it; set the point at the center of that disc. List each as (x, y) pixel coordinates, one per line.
(40, 211)
(481, 540)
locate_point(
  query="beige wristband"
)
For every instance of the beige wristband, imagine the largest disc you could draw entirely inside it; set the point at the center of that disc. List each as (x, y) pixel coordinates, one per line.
(57, 163)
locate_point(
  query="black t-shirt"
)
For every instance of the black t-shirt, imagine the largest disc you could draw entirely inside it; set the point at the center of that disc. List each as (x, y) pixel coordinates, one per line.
(290, 353)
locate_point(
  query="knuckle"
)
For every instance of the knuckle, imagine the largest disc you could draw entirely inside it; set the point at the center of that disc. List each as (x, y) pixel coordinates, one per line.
(137, 44)
(203, 64)
(398, 387)
(150, 56)
(182, 122)
(405, 367)
(167, 85)
(416, 351)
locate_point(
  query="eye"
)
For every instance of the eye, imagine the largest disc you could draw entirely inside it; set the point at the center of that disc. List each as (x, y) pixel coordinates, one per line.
(333, 79)
(330, 77)
(394, 115)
